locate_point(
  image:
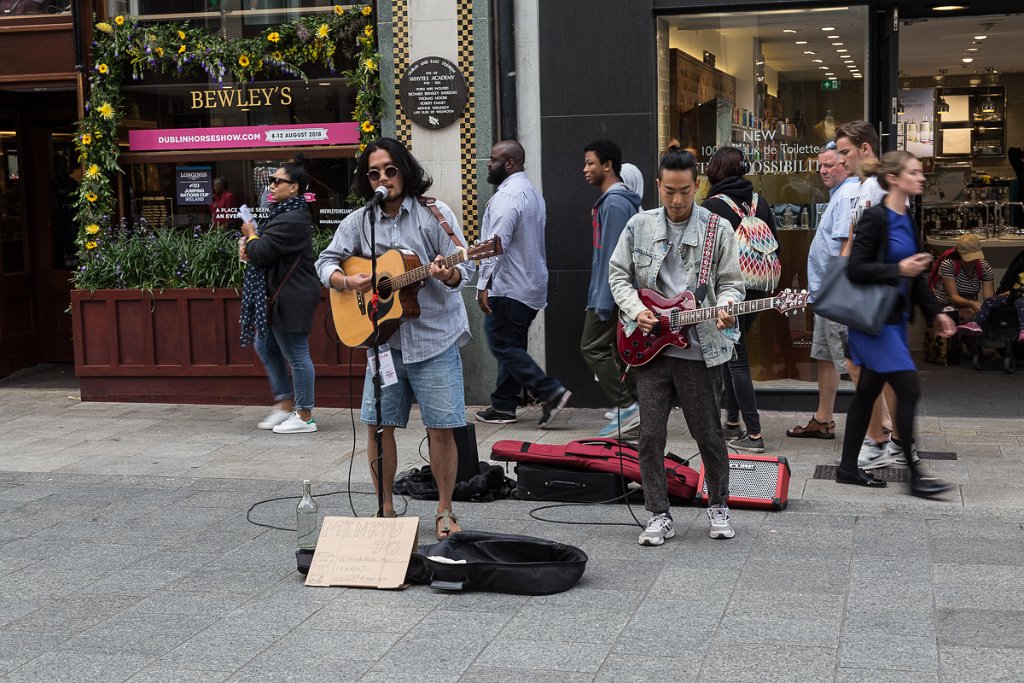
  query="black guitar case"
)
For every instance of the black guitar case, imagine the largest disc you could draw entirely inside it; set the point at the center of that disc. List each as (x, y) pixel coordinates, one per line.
(498, 563)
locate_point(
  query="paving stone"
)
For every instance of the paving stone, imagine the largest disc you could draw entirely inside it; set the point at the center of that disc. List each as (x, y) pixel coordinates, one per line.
(71, 614)
(223, 647)
(155, 673)
(756, 662)
(906, 653)
(619, 668)
(885, 676)
(570, 626)
(979, 587)
(137, 634)
(560, 656)
(980, 628)
(981, 665)
(80, 667)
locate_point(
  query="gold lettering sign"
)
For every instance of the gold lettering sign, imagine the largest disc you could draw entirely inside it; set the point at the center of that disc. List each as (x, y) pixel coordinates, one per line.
(241, 98)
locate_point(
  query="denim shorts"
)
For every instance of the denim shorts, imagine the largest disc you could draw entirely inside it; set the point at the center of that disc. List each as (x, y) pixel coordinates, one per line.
(435, 384)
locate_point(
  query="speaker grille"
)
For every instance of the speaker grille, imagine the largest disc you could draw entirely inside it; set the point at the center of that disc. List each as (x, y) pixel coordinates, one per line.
(751, 479)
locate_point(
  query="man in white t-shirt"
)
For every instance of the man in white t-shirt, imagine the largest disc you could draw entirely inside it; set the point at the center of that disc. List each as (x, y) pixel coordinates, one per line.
(857, 143)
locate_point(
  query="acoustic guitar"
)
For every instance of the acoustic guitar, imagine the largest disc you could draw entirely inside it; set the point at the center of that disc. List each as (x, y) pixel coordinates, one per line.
(677, 315)
(399, 278)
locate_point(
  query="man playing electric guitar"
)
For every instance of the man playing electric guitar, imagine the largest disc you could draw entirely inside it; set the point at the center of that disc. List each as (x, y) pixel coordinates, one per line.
(425, 350)
(680, 247)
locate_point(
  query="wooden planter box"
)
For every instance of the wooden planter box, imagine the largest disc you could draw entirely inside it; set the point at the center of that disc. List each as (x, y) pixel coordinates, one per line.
(181, 346)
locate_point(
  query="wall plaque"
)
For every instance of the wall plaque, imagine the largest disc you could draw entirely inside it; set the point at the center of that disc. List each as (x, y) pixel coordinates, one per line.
(433, 92)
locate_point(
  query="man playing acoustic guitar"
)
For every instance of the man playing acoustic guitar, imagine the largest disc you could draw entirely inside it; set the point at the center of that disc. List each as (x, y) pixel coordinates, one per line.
(669, 250)
(425, 349)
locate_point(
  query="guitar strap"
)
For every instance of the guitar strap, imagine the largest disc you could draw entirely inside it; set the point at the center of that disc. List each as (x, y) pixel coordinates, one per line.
(709, 253)
(431, 203)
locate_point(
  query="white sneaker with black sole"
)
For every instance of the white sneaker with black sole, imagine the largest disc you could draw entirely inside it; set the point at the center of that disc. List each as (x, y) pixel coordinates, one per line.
(295, 425)
(874, 455)
(895, 451)
(718, 516)
(658, 529)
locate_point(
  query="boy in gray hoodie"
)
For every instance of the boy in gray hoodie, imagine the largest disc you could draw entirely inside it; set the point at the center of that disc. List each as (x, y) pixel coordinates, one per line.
(617, 204)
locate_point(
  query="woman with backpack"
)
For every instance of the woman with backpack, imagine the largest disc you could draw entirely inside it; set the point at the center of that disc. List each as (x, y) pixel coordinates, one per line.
(733, 198)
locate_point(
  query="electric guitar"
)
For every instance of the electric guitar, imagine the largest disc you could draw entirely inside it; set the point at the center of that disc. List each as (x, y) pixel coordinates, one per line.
(677, 315)
(399, 277)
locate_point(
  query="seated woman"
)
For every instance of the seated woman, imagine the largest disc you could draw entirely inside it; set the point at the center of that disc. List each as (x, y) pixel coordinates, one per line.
(1011, 290)
(960, 275)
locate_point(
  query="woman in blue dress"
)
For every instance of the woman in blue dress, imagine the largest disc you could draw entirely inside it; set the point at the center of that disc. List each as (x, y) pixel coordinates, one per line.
(886, 250)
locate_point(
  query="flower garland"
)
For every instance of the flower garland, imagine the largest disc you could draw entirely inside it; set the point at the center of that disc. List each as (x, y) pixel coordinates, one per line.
(124, 49)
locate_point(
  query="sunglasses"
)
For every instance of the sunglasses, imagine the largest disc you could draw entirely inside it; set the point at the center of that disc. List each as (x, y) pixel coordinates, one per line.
(275, 181)
(389, 172)
(831, 144)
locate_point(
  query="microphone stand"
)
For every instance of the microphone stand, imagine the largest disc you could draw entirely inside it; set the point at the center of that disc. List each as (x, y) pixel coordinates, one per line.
(378, 382)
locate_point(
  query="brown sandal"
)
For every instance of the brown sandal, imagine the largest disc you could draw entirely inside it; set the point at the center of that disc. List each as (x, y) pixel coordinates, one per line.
(813, 430)
(445, 517)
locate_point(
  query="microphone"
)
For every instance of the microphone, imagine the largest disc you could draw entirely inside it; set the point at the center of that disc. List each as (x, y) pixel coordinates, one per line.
(379, 195)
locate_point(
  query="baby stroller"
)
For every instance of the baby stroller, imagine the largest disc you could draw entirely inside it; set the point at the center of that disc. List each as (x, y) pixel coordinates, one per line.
(1000, 334)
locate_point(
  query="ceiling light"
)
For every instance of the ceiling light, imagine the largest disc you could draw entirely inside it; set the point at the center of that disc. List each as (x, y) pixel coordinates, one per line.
(801, 42)
(967, 60)
(838, 44)
(789, 30)
(823, 68)
(972, 49)
(828, 28)
(829, 73)
(817, 61)
(980, 37)
(809, 52)
(841, 49)
(947, 8)
(857, 76)
(832, 37)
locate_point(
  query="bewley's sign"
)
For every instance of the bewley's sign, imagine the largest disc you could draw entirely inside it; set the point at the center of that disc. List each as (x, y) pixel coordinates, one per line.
(227, 137)
(240, 98)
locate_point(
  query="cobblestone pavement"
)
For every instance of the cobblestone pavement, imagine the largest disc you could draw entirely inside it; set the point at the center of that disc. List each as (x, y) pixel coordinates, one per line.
(125, 554)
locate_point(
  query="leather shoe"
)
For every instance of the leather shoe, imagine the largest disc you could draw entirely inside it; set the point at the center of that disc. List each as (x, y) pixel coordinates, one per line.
(859, 477)
(924, 486)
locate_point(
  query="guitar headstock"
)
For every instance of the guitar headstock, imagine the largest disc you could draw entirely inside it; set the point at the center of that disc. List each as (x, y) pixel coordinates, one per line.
(487, 249)
(789, 301)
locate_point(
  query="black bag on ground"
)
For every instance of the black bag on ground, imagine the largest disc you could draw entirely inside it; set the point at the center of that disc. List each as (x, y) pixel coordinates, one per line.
(498, 563)
(542, 482)
(489, 484)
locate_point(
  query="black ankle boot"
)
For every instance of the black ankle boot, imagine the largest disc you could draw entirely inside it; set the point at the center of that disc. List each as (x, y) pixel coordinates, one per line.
(924, 485)
(859, 477)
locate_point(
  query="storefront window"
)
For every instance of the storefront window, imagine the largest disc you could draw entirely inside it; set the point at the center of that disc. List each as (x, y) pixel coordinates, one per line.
(13, 246)
(21, 8)
(237, 17)
(776, 85)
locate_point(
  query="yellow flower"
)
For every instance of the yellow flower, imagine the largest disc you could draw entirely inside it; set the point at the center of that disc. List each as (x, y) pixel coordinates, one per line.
(367, 126)
(92, 228)
(243, 61)
(159, 52)
(102, 68)
(276, 55)
(93, 171)
(368, 30)
(106, 111)
(322, 30)
(181, 49)
(367, 10)
(105, 27)
(86, 139)
(274, 37)
(90, 244)
(92, 196)
(362, 147)
(119, 20)
(339, 10)
(181, 35)
(370, 65)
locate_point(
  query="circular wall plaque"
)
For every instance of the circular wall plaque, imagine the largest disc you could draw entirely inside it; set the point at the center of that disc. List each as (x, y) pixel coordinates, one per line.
(433, 92)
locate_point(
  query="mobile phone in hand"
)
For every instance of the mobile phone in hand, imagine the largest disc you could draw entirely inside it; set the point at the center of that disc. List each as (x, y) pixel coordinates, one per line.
(245, 213)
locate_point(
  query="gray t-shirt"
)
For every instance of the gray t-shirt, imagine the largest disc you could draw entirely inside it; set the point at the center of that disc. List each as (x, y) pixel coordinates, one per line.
(672, 279)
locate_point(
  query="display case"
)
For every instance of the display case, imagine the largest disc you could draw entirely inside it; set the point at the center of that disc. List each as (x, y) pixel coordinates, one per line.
(975, 124)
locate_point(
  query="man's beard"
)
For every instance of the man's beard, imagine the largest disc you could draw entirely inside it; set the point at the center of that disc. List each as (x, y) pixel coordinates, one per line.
(497, 176)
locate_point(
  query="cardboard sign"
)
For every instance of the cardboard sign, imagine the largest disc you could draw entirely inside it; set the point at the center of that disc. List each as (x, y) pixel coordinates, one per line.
(363, 552)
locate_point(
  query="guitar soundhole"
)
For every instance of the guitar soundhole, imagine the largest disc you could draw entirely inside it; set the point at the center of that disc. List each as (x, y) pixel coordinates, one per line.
(384, 287)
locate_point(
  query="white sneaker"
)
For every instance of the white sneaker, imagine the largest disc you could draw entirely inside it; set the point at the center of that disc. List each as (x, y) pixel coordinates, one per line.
(276, 417)
(658, 529)
(718, 516)
(295, 425)
(895, 451)
(874, 455)
(614, 412)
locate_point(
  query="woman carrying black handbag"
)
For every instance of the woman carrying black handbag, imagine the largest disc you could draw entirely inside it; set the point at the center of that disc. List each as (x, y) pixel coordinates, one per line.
(886, 250)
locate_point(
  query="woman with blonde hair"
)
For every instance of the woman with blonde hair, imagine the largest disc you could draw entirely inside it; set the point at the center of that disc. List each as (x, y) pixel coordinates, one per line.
(886, 250)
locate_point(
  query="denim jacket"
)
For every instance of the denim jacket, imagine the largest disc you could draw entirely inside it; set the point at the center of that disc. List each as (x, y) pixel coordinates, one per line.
(638, 257)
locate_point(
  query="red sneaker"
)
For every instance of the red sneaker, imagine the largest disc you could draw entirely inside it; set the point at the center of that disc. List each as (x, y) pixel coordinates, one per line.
(970, 328)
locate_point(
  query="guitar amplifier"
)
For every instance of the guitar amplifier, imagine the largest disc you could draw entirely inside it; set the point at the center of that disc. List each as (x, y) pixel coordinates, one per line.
(755, 481)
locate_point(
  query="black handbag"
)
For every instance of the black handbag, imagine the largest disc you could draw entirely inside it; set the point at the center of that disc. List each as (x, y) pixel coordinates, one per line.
(862, 306)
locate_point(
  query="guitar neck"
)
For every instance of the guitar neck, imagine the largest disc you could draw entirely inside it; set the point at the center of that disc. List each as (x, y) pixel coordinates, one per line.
(411, 277)
(680, 318)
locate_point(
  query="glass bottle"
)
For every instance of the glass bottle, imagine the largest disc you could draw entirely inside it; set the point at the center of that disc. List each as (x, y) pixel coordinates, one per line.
(787, 218)
(805, 219)
(306, 519)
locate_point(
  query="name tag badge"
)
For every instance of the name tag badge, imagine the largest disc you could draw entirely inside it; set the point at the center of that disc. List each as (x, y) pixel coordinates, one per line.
(388, 375)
